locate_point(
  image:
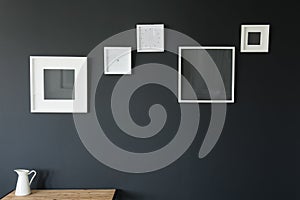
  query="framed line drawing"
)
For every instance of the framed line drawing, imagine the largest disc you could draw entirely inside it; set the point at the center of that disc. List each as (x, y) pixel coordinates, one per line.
(117, 60)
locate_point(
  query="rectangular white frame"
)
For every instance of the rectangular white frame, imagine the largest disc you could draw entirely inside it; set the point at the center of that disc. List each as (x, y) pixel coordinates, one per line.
(127, 53)
(264, 31)
(138, 26)
(41, 105)
(180, 100)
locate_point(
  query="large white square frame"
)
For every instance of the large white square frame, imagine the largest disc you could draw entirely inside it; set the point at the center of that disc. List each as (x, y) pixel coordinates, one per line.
(180, 100)
(264, 31)
(41, 105)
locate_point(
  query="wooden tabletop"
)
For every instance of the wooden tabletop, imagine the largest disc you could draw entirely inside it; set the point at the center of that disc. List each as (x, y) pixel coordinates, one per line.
(65, 195)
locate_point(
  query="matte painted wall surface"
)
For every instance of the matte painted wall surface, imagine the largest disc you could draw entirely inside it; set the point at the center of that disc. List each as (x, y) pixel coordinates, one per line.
(257, 156)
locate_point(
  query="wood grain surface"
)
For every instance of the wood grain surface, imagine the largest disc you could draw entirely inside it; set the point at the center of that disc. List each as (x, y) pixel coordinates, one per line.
(65, 195)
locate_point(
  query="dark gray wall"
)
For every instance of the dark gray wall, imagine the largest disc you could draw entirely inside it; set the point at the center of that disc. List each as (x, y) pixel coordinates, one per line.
(257, 156)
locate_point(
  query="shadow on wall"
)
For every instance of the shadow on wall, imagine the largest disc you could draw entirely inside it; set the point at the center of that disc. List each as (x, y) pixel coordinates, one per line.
(41, 178)
(121, 194)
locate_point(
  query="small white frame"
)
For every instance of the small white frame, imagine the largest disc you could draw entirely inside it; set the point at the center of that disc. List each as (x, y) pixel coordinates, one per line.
(154, 41)
(264, 38)
(41, 105)
(117, 60)
(180, 100)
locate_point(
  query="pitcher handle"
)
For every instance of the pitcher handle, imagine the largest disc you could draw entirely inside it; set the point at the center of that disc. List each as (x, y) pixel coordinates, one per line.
(34, 174)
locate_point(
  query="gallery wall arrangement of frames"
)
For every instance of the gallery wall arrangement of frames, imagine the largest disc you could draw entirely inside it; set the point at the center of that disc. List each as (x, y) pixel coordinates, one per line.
(59, 84)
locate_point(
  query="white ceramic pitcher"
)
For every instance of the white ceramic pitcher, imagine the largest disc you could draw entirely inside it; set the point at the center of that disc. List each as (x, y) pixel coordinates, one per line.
(23, 183)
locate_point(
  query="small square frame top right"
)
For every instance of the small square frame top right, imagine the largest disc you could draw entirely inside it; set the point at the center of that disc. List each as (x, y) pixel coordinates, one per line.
(150, 37)
(250, 43)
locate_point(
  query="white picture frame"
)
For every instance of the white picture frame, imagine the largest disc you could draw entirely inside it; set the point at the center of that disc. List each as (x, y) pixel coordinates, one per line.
(263, 46)
(117, 60)
(38, 65)
(150, 37)
(232, 87)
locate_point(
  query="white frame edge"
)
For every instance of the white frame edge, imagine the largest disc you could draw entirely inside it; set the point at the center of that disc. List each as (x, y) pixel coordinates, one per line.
(180, 100)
